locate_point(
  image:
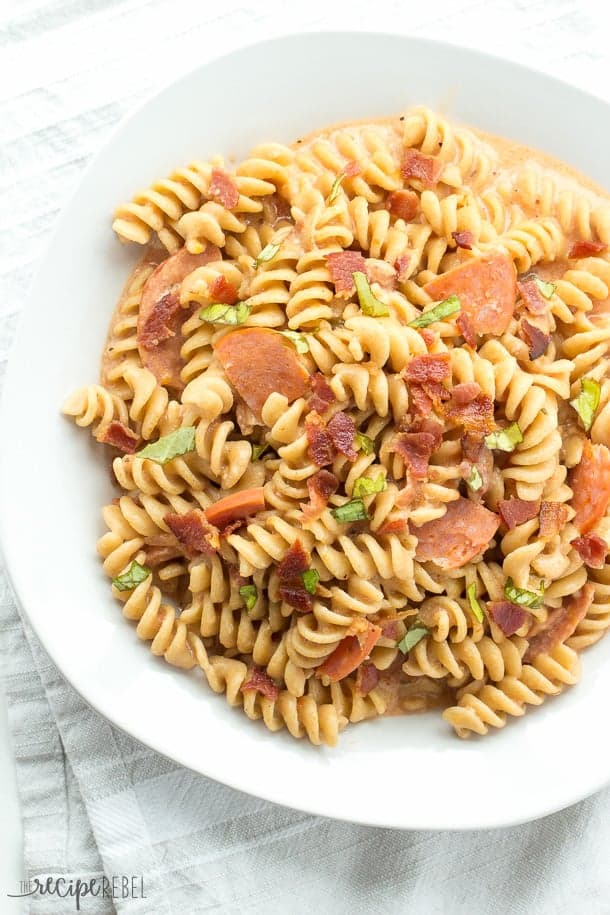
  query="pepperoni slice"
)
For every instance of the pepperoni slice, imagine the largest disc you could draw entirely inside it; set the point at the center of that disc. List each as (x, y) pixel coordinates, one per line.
(159, 323)
(238, 505)
(349, 653)
(590, 483)
(487, 289)
(259, 361)
(560, 624)
(461, 534)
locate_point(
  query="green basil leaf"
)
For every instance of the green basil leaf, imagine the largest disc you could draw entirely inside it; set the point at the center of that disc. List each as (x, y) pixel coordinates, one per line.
(310, 580)
(474, 479)
(259, 450)
(182, 441)
(475, 606)
(364, 486)
(336, 187)
(351, 511)
(587, 401)
(225, 314)
(547, 289)
(132, 577)
(365, 444)
(298, 340)
(521, 596)
(250, 595)
(266, 255)
(370, 305)
(505, 439)
(444, 309)
(412, 637)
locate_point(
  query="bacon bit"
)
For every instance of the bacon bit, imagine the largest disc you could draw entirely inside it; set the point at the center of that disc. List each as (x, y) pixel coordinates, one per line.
(295, 561)
(421, 401)
(416, 164)
(390, 630)
(342, 266)
(485, 466)
(161, 322)
(193, 532)
(223, 188)
(403, 205)
(476, 416)
(342, 430)
(464, 393)
(586, 248)
(466, 329)
(553, 517)
(424, 375)
(322, 396)
(320, 443)
(237, 506)
(295, 595)
(119, 436)
(415, 449)
(560, 623)
(591, 549)
(517, 511)
(536, 340)
(349, 653)
(507, 616)
(395, 526)
(427, 335)
(532, 298)
(472, 447)
(464, 239)
(463, 532)
(223, 292)
(431, 426)
(351, 169)
(367, 678)
(157, 555)
(232, 526)
(381, 273)
(259, 680)
(590, 483)
(402, 266)
(321, 486)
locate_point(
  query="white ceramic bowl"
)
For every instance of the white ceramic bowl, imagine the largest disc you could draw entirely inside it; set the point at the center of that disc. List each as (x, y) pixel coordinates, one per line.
(408, 772)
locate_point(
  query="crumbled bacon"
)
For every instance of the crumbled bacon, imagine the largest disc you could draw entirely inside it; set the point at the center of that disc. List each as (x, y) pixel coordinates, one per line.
(507, 616)
(415, 449)
(463, 239)
(119, 436)
(472, 446)
(424, 375)
(403, 205)
(560, 624)
(397, 525)
(296, 595)
(161, 322)
(156, 555)
(586, 248)
(320, 443)
(321, 486)
(223, 188)
(532, 297)
(322, 396)
(295, 561)
(484, 465)
(517, 511)
(403, 265)
(553, 517)
(342, 266)
(464, 393)
(389, 630)
(193, 532)
(351, 168)
(342, 431)
(431, 426)
(475, 416)
(535, 339)
(591, 549)
(416, 164)
(427, 335)
(259, 680)
(367, 678)
(465, 327)
(223, 292)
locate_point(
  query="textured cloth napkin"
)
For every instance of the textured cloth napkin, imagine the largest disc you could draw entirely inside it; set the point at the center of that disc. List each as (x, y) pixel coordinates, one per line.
(94, 801)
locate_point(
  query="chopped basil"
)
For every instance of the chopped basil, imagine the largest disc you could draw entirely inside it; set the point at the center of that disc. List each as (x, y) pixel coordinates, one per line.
(310, 580)
(266, 255)
(259, 450)
(522, 597)
(474, 480)
(547, 289)
(225, 314)
(351, 511)
(365, 444)
(475, 606)
(170, 446)
(250, 596)
(370, 305)
(133, 576)
(505, 439)
(444, 309)
(299, 341)
(364, 486)
(336, 187)
(587, 401)
(412, 637)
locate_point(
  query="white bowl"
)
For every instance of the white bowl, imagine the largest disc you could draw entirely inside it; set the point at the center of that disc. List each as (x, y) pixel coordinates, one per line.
(407, 772)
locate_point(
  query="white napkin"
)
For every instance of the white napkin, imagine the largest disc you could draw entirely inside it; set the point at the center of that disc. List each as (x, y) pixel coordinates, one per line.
(94, 802)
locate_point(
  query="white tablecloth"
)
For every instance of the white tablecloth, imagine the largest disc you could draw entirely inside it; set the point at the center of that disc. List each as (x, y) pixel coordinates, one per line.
(93, 801)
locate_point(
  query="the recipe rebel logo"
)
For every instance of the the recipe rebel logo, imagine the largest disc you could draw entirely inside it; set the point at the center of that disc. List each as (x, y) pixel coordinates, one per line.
(115, 886)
